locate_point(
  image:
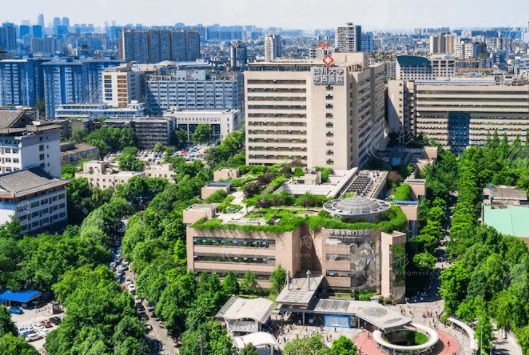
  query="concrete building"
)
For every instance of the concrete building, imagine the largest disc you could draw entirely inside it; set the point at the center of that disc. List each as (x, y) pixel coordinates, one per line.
(106, 174)
(25, 144)
(238, 55)
(273, 47)
(443, 43)
(221, 122)
(122, 85)
(459, 113)
(153, 46)
(153, 130)
(410, 67)
(367, 42)
(8, 37)
(294, 107)
(35, 198)
(74, 82)
(193, 90)
(97, 110)
(349, 38)
(349, 259)
(72, 154)
(21, 81)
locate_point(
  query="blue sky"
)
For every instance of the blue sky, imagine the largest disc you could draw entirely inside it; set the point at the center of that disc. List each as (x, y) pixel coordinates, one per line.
(305, 14)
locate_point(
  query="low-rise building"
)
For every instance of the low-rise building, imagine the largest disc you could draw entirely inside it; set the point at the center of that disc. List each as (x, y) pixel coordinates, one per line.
(106, 174)
(25, 144)
(35, 198)
(72, 153)
(226, 174)
(99, 110)
(221, 122)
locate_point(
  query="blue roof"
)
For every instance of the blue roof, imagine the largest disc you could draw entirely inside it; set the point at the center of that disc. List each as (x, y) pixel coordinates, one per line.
(401, 202)
(20, 296)
(220, 184)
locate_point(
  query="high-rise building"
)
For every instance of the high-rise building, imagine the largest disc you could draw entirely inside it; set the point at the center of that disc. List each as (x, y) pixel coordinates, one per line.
(8, 37)
(24, 30)
(326, 113)
(74, 82)
(37, 31)
(238, 55)
(443, 43)
(367, 42)
(273, 47)
(153, 46)
(349, 38)
(459, 113)
(65, 22)
(121, 85)
(193, 90)
(21, 81)
(40, 20)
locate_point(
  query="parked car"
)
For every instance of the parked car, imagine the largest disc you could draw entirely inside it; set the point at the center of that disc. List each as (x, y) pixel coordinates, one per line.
(128, 281)
(32, 337)
(112, 266)
(140, 308)
(55, 320)
(119, 272)
(151, 306)
(148, 326)
(46, 323)
(132, 288)
(16, 310)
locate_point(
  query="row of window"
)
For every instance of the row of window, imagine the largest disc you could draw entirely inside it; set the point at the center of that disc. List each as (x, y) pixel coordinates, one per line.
(246, 259)
(235, 242)
(43, 222)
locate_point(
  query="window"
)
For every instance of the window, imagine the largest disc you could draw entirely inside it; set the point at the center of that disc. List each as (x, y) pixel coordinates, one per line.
(41, 147)
(41, 157)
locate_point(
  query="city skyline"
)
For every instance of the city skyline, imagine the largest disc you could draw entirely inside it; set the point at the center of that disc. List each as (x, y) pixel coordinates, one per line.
(303, 14)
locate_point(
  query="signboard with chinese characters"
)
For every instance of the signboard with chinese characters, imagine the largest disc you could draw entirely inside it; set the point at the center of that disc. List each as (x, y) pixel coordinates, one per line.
(328, 76)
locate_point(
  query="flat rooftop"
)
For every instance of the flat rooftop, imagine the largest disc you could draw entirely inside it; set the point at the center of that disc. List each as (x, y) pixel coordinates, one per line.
(510, 220)
(505, 193)
(372, 312)
(258, 309)
(298, 292)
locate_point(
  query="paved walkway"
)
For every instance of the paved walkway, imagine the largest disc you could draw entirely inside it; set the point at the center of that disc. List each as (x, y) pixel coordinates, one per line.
(368, 346)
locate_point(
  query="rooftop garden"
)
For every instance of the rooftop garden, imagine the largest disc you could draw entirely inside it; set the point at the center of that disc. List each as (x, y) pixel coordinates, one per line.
(289, 220)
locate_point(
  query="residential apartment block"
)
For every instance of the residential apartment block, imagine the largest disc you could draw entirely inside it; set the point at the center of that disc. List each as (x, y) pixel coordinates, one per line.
(153, 130)
(459, 113)
(154, 46)
(35, 198)
(349, 38)
(72, 153)
(324, 113)
(21, 82)
(273, 47)
(24, 144)
(74, 82)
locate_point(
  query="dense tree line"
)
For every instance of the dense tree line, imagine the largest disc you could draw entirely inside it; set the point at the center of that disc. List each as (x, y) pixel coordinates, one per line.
(489, 279)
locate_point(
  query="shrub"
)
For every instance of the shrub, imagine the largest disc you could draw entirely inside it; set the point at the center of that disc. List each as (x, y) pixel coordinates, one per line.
(251, 189)
(403, 193)
(217, 197)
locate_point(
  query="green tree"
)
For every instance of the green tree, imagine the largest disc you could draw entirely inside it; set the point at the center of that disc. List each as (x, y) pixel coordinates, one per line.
(6, 325)
(202, 133)
(78, 134)
(128, 162)
(158, 147)
(179, 138)
(307, 346)
(343, 346)
(180, 253)
(11, 345)
(230, 284)
(249, 283)
(277, 280)
(484, 334)
(249, 350)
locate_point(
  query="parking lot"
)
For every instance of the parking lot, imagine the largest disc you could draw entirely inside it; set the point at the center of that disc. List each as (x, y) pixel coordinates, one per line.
(35, 324)
(189, 152)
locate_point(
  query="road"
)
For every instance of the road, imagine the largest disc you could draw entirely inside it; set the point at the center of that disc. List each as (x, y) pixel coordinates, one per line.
(158, 332)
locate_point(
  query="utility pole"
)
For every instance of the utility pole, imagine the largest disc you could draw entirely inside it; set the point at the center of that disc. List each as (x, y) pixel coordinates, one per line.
(481, 346)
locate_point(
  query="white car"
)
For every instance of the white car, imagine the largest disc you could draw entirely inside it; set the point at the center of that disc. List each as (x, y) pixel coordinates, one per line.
(148, 326)
(137, 300)
(33, 337)
(131, 288)
(124, 262)
(119, 272)
(128, 281)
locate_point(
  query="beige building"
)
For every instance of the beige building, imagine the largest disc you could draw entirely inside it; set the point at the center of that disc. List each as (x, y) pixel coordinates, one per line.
(122, 85)
(273, 47)
(443, 43)
(106, 174)
(324, 115)
(226, 174)
(222, 122)
(347, 259)
(349, 38)
(72, 153)
(459, 113)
